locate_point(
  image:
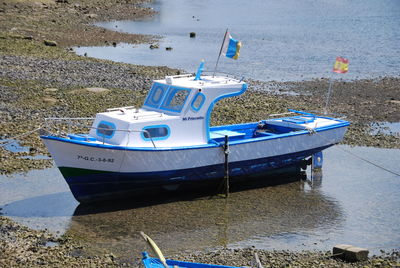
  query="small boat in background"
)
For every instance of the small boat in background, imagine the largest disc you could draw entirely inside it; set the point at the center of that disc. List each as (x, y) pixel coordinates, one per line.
(169, 141)
(161, 262)
(150, 262)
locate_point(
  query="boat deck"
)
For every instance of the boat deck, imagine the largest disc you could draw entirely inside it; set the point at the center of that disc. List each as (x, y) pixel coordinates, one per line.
(272, 127)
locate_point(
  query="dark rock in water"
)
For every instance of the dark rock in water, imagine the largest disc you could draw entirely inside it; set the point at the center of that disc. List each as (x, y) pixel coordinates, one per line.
(192, 35)
(168, 48)
(50, 43)
(153, 46)
(114, 44)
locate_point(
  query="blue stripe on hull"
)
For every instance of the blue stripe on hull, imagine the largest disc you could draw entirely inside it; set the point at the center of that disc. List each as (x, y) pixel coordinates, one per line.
(108, 185)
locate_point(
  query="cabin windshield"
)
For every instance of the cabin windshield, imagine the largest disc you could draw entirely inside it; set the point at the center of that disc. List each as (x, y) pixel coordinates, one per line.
(167, 97)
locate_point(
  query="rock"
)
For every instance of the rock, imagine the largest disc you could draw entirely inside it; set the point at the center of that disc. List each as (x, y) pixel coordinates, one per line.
(16, 36)
(50, 43)
(153, 46)
(91, 16)
(114, 44)
(51, 89)
(350, 253)
(96, 89)
(192, 35)
(49, 100)
(394, 101)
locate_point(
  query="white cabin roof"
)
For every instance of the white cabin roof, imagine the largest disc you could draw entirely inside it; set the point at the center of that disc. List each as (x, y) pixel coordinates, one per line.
(176, 112)
(204, 81)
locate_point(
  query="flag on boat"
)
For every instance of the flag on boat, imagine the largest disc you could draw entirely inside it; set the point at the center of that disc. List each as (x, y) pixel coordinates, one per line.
(341, 65)
(231, 47)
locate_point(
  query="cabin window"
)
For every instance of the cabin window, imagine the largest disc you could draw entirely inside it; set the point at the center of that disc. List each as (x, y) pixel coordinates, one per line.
(159, 132)
(156, 95)
(106, 129)
(175, 100)
(198, 101)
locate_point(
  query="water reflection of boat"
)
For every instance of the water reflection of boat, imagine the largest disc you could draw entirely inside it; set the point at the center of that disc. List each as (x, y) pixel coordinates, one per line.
(179, 224)
(169, 141)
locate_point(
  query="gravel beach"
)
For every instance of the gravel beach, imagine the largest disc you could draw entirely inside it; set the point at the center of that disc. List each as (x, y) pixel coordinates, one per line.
(40, 79)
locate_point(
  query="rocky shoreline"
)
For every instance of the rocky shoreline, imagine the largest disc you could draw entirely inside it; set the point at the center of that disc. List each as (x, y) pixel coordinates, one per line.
(24, 247)
(38, 80)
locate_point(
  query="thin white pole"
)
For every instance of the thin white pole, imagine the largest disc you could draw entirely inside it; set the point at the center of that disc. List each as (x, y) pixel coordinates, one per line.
(328, 96)
(220, 50)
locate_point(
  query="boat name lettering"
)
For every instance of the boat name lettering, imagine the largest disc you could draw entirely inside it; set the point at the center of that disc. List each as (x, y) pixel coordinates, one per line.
(97, 159)
(192, 118)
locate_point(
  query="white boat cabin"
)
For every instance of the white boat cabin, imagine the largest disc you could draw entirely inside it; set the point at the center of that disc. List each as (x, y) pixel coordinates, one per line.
(175, 113)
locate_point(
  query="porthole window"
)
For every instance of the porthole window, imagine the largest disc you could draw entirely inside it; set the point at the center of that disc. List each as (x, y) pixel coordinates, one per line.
(160, 132)
(106, 129)
(198, 101)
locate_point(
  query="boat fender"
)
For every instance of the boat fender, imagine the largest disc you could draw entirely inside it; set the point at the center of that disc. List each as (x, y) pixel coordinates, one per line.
(260, 126)
(311, 130)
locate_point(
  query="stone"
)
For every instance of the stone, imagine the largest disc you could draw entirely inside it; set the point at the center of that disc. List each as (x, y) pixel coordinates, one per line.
(50, 43)
(96, 89)
(49, 100)
(91, 16)
(394, 101)
(192, 35)
(350, 253)
(51, 89)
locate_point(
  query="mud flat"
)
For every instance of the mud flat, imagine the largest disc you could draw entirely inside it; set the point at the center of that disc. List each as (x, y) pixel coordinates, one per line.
(245, 257)
(24, 247)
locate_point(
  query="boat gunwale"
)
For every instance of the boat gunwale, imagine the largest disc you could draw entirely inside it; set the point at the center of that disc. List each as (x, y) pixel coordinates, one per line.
(211, 144)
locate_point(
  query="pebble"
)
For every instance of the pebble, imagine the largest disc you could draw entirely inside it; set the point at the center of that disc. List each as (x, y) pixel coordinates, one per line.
(50, 43)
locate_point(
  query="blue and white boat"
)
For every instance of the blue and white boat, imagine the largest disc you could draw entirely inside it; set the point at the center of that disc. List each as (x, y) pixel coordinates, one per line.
(149, 262)
(169, 141)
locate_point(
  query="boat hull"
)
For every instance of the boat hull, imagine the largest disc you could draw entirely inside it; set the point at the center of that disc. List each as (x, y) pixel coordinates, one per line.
(95, 171)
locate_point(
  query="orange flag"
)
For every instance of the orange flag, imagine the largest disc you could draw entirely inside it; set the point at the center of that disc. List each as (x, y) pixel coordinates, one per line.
(341, 65)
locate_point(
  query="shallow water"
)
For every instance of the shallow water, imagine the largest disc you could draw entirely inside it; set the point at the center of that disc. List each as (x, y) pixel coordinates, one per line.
(353, 202)
(281, 40)
(385, 128)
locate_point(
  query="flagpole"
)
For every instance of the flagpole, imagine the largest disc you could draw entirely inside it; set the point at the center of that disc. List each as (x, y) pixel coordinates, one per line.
(220, 50)
(328, 96)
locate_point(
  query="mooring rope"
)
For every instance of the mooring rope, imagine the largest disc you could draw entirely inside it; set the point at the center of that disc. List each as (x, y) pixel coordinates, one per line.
(362, 158)
(14, 139)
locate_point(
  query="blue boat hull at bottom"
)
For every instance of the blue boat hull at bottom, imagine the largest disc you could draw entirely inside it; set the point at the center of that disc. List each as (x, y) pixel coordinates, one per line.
(93, 185)
(149, 262)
